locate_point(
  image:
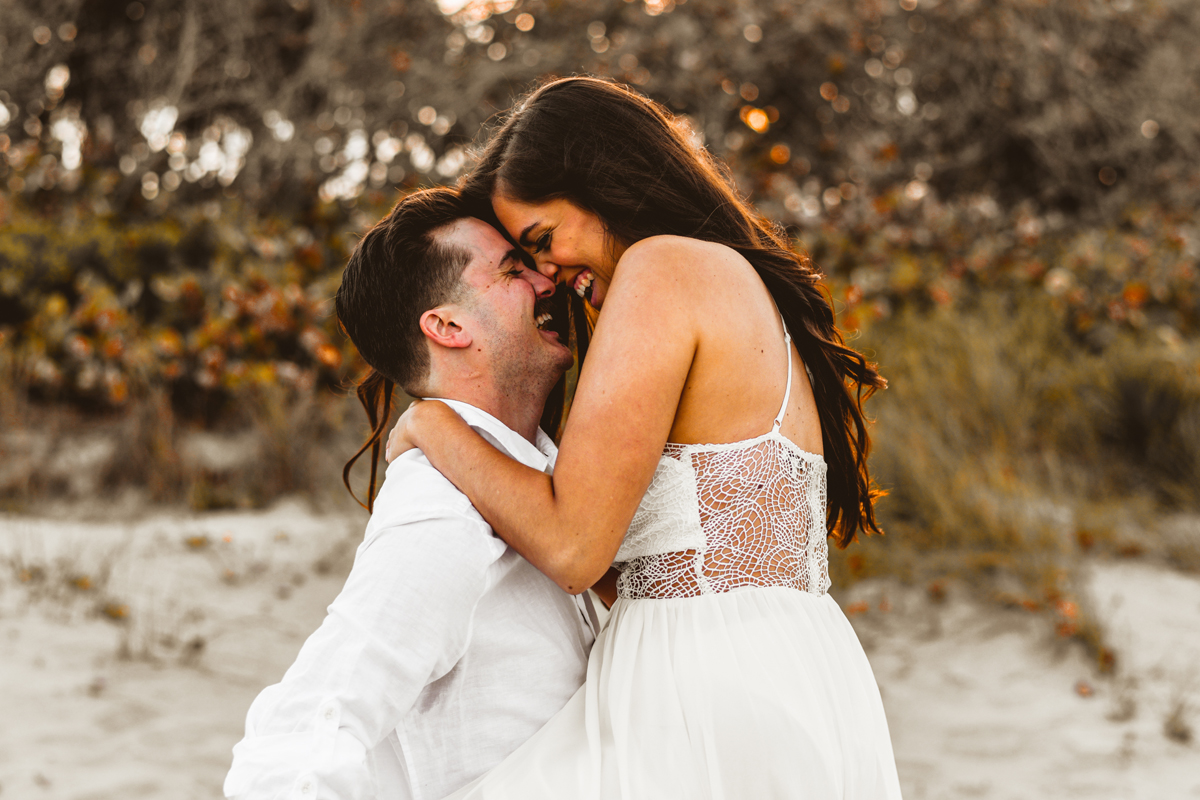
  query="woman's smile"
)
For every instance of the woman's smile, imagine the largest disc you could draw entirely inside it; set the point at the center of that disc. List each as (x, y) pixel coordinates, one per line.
(589, 287)
(568, 244)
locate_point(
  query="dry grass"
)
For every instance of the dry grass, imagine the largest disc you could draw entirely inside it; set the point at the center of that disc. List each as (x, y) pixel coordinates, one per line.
(1010, 451)
(279, 442)
(1176, 726)
(65, 582)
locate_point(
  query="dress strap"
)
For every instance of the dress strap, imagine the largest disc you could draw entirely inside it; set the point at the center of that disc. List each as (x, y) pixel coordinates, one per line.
(787, 393)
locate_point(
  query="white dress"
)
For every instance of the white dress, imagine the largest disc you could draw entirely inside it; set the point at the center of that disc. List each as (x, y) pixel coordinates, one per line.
(725, 671)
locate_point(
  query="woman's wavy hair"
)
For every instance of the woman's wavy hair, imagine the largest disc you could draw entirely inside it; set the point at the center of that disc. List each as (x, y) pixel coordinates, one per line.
(625, 158)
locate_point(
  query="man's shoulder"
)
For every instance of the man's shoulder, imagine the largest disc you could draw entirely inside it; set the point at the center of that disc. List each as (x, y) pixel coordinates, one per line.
(413, 490)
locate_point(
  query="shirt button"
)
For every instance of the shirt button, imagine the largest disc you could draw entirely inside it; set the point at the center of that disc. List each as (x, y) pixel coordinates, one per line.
(329, 713)
(306, 787)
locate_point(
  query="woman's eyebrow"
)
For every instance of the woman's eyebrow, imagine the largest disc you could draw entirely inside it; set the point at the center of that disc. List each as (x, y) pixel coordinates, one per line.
(523, 239)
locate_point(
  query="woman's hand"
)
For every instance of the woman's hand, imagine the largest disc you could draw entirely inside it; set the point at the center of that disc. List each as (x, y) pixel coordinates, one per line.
(400, 439)
(415, 419)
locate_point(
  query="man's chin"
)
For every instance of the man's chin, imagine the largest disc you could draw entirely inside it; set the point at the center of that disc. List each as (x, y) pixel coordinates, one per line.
(563, 353)
(566, 358)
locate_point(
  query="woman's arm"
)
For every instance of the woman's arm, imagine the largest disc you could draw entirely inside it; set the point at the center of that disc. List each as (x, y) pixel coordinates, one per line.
(571, 524)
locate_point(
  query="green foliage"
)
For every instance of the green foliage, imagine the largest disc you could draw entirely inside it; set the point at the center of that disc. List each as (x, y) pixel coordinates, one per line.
(206, 305)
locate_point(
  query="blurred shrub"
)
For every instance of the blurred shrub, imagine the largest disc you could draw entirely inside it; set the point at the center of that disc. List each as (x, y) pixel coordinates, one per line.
(142, 333)
(205, 306)
(897, 250)
(1012, 337)
(1149, 416)
(1079, 107)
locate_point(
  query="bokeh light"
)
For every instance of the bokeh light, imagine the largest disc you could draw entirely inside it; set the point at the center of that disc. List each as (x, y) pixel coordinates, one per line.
(56, 80)
(70, 131)
(755, 118)
(157, 123)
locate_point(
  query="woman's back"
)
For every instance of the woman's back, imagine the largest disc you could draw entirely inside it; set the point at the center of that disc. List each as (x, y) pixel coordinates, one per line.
(733, 502)
(740, 369)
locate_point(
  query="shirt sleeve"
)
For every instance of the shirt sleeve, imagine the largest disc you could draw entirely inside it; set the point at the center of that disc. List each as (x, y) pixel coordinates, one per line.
(402, 621)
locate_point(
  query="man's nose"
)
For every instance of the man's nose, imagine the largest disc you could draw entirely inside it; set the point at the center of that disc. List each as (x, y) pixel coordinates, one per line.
(542, 285)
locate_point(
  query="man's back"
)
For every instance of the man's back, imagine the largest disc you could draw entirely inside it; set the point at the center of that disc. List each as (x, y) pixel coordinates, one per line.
(443, 653)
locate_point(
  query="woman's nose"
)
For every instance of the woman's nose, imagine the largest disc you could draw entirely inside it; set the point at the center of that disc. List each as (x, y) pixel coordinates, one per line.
(548, 269)
(542, 285)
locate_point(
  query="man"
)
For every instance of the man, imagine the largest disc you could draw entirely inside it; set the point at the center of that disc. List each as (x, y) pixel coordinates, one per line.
(446, 649)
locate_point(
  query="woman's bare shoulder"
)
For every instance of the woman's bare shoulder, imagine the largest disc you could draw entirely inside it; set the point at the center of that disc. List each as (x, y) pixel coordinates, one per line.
(678, 248)
(680, 260)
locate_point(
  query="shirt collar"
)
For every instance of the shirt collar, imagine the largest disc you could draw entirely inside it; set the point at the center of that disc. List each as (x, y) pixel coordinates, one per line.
(540, 456)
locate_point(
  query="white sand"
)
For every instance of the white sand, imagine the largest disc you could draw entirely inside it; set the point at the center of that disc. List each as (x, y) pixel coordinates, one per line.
(982, 702)
(83, 722)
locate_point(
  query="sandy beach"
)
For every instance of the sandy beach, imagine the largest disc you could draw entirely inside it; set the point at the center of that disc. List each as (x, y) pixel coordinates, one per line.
(131, 651)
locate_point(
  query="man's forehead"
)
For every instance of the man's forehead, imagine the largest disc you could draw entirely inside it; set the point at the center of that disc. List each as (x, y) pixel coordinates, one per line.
(474, 235)
(486, 249)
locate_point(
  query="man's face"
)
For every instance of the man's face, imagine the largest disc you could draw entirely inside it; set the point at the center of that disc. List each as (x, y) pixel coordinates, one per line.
(501, 309)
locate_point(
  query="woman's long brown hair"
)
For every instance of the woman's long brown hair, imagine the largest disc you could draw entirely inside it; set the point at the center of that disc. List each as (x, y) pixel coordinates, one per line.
(375, 393)
(613, 152)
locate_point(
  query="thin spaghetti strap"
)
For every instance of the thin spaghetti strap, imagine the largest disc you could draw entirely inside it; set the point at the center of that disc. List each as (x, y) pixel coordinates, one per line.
(787, 393)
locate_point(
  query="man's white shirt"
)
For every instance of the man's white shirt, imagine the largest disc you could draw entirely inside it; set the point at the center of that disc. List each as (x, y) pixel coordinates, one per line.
(443, 653)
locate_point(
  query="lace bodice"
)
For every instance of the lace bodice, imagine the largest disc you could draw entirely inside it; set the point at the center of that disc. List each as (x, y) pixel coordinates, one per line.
(719, 517)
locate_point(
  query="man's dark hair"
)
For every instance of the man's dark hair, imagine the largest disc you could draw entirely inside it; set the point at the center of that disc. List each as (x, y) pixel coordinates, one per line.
(397, 272)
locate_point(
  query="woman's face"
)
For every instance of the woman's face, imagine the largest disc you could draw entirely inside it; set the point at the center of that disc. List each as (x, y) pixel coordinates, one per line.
(568, 245)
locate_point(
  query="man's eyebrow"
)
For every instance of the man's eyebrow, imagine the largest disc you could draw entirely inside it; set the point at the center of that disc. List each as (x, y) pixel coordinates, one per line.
(506, 262)
(523, 239)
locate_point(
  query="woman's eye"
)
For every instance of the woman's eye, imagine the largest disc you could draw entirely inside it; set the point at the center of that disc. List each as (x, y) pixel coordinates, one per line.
(542, 243)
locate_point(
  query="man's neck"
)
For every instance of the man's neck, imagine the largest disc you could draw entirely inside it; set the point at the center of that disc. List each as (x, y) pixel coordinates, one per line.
(520, 411)
(521, 414)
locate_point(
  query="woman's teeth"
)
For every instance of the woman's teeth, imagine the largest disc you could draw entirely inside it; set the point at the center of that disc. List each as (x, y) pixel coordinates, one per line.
(583, 286)
(541, 320)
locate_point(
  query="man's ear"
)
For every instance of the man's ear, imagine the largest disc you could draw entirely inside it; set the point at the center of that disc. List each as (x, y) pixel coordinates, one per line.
(439, 326)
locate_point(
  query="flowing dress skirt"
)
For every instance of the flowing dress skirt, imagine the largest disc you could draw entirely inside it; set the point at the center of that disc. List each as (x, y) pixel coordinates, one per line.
(746, 695)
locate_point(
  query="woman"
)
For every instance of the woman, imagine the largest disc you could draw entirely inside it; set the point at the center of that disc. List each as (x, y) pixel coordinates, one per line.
(725, 670)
